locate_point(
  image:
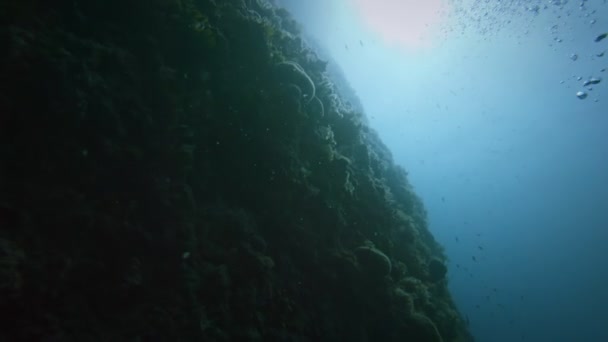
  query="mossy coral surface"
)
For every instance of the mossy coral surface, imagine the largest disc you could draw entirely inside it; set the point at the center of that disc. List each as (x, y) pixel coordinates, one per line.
(159, 181)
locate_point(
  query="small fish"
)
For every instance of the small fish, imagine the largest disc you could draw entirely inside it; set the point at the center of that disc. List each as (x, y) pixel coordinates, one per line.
(601, 36)
(442, 199)
(457, 265)
(361, 43)
(457, 239)
(480, 248)
(474, 258)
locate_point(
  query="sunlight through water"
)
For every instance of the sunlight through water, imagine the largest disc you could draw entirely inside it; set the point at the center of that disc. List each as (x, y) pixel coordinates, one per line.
(408, 24)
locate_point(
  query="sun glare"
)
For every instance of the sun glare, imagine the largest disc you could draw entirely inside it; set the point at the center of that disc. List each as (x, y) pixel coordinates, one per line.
(405, 23)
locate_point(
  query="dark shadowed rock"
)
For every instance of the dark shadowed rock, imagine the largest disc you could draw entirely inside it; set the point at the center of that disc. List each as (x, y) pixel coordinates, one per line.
(437, 270)
(372, 261)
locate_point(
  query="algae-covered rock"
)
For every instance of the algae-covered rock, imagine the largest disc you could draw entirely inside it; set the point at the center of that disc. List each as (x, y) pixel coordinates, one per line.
(421, 328)
(191, 170)
(372, 261)
(291, 72)
(403, 301)
(315, 108)
(11, 259)
(437, 270)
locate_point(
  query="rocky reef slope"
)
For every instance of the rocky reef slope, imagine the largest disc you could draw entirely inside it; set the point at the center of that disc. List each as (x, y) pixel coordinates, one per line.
(181, 170)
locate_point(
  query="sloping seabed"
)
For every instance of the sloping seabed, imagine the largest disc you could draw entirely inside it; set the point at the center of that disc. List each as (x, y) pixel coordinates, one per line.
(186, 170)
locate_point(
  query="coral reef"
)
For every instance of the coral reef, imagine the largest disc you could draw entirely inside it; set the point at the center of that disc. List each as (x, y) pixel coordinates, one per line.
(289, 72)
(373, 261)
(180, 170)
(437, 270)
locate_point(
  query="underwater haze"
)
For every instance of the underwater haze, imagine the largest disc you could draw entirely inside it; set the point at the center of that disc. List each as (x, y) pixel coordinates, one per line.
(499, 112)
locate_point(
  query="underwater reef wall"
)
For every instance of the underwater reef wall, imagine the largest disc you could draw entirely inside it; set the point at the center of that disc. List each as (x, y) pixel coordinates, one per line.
(183, 170)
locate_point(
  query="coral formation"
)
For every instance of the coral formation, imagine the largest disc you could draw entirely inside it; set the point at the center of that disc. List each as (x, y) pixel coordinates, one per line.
(373, 262)
(422, 328)
(180, 170)
(437, 270)
(289, 72)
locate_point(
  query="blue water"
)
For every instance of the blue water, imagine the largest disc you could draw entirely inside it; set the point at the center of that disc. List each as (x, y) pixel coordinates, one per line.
(511, 165)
